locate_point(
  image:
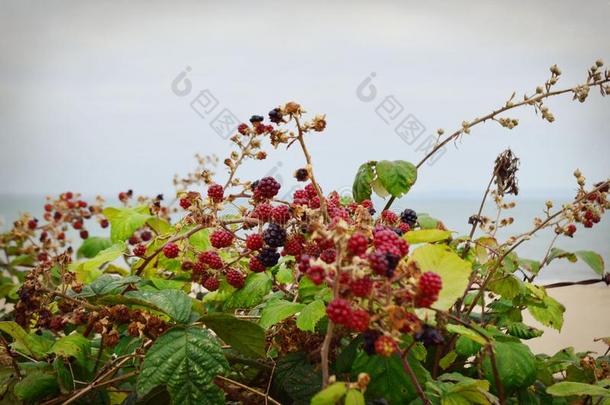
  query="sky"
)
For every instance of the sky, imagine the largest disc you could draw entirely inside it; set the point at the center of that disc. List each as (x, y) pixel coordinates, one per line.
(91, 99)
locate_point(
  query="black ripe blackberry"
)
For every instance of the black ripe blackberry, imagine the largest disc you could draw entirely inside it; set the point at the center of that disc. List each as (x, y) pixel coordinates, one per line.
(409, 217)
(275, 115)
(392, 260)
(301, 174)
(274, 235)
(429, 336)
(269, 257)
(369, 338)
(256, 118)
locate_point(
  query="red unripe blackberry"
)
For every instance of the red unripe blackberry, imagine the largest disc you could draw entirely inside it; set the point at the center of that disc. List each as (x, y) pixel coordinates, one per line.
(361, 287)
(211, 284)
(379, 263)
(216, 192)
(221, 238)
(255, 265)
(294, 245)
(84, 234)
(314, 202)
(235, 278)
(146, 235)
(211, 258)
(262, 212)
(311, 190)
(425, 301)
(328, 256)
(78, 224)
(339, 311)
(357, 244)
(389, 217)
(404, 228)
(185, 203)
(61, 236)
(185, 265)
(32, 224)
(133, 240)
(359, 320)
(570, 229)
(48, 207)
(82, 204)
(300, 197)
(104, 223)
(171, 250)
(267, 187)
(68, 195)
(316, 274)
(430, 283)
(254, 241)
(280, 214)
(242, 128)
(385, 346)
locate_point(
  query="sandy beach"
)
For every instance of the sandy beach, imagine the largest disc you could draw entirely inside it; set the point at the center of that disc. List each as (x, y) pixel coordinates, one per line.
(585, 319)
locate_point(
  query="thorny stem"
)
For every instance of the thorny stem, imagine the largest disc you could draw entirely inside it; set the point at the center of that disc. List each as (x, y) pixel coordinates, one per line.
(413, 377)
(492, 115)
(331, 326)
(310, 168)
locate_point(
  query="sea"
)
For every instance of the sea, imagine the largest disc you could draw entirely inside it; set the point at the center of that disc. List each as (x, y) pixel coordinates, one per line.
(454, 211)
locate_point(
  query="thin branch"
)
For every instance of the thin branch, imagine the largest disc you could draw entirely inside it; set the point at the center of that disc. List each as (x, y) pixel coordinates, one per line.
(413, 377)
(257, 392)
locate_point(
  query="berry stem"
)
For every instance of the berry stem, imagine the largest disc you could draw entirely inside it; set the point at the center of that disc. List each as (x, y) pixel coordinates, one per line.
(310, 168)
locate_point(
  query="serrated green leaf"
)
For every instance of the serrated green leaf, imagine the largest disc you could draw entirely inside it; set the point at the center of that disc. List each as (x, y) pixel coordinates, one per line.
(74, 345)
(397, 176)
(354, 397)
(92, 246)
(296, 378)
(201, 240)
(310, 315)
(308, 291)
(466, 347)
(594, 260)
(453, 270)
(244, 336)
(64, 377)
(108, 284)
(523, 331)
(30, 344)
(175, 303)
(125, 221)
(186, 360)
(256, 286)
(426, 235)
(447, 360)
(35, 386)
(568, 389)
(516, 365)
(549, 312)
(466, 333)
(506, 285)
(361, 189)
(330, 395)
(89, 270)
(278, 310)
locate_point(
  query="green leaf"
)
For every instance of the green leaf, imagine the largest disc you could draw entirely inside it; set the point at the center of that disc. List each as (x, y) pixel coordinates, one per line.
(308, 291)
(29, 344)
(125, 221)
(467, 333)
(186, 360)
(506, 285)
(310, 315)
(201, 240)
(425, 221)
(296, 378)
(244, 336)
(278, 310)
(354, 397)
(557, 253)
(523, 331)
(64, 377)
(257, 285)
(92, 246)
(466, 347)
(388, 377)
(447, 360)
(516, 365)
(426, 235)
(568, 389)
(361, 189)
(533, 266)
(108, 284)
(549, 312)
(89, 270)
(594, 260)
(330, 395)
(397, 177)
(35, 386)
(453, 270)
(175, 303)
(74, 345)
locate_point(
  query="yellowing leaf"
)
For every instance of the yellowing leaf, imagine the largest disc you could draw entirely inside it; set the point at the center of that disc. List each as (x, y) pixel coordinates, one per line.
(426, 235)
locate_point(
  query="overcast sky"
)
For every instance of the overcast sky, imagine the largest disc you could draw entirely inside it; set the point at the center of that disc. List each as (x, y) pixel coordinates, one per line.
(86, 100)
